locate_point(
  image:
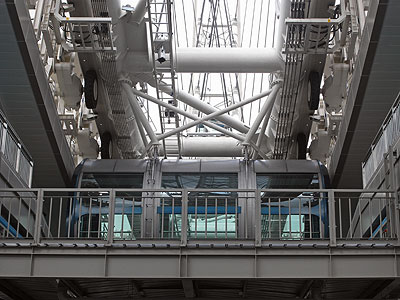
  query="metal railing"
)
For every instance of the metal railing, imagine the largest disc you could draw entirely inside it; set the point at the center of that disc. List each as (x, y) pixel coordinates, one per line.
(312, 36)
(14, 152)
(82, 34)
(387, 135)
(185, 215)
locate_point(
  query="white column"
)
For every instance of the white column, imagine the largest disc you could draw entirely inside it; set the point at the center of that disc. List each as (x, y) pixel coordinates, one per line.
(264, 113)
(140, 11)
(139, 115)
(283, 12)
(227, 60)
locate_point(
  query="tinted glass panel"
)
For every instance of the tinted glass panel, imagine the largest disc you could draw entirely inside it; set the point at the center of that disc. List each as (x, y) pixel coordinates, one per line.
(290, 215)
(128, 206)
(200, 180)
(287, 181)
(110, 180)
(219, 222)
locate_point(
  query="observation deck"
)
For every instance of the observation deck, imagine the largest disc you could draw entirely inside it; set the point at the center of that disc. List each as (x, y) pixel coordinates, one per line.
(191, 242)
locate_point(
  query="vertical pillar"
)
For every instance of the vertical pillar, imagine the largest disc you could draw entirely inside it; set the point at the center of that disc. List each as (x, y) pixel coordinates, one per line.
(332, 218)
(111, 217)
(184, 212)
(257, 218)
(17, 163)
(39, 213)
(4, 137)
(394, 185)
(30, 174)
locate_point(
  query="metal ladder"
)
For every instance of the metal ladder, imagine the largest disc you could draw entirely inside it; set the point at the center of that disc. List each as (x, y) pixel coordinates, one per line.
(160, 21)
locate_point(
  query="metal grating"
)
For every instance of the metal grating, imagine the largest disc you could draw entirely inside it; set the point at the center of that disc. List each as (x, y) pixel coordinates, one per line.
(123, 126)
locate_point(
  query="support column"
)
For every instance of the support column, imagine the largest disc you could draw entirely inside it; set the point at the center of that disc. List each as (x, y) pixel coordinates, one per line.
(264, 113)
(139, 115)
(205, 108)
(215, 114)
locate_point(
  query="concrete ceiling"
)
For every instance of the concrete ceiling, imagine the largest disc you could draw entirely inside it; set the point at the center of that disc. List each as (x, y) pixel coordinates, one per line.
(375, 85)
(26, 98)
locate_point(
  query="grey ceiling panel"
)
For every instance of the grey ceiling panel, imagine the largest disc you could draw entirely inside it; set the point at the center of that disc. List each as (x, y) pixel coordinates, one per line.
(26, 98)
(371, 95)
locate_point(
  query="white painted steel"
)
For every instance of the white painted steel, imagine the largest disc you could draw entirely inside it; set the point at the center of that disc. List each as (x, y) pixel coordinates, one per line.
(215, 146)
(335, 87)
(264, 113)
(139, 115)
(216, 114)
(283, 11)
(189, 115)
(139, 12)
(227, 60)
(205, 108)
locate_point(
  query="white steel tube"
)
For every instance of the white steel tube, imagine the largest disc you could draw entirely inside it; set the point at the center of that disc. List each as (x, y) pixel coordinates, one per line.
(283, 13)
(140, 127)
(261, 136)
(114, 9)
(264, 113)
(205, 108)
(140, 11)
(189, 115)
(207, 123)
(38, 18)
(139, 115)
(227, 60)
(214, 114)
(210, 147)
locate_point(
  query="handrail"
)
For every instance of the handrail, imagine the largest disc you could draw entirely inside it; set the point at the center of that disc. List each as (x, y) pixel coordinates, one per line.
(60, 18)
(192, 214)
(22, 163)
(382, 141)
(97, 30)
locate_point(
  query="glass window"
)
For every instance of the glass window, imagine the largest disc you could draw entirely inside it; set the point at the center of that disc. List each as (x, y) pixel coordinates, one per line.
(112, 180)
(290, 215)
(287, 181)
(210, 214)
(128, 205)
(200, 180)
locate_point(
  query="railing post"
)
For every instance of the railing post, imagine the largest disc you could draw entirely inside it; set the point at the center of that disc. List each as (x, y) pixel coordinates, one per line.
(111, 217)
(257, 218)
(185, 203)
(18, 162)
(39, 213)
(332, 218)
(394, 186)
(30, 174)
(4, 137)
